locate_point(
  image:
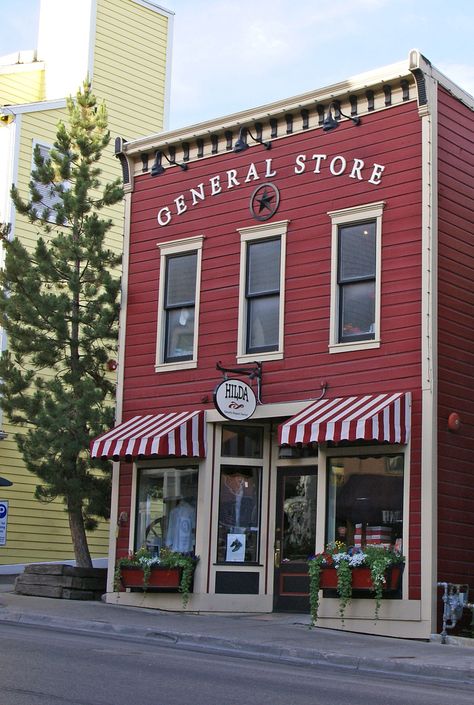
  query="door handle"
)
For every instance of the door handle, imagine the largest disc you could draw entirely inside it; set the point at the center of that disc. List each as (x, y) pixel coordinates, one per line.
(277, 554)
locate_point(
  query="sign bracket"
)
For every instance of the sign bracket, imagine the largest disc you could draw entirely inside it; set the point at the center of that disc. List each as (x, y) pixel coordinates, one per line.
(250, 372)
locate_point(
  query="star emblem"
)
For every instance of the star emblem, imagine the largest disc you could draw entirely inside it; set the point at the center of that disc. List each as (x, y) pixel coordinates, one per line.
(264, 201)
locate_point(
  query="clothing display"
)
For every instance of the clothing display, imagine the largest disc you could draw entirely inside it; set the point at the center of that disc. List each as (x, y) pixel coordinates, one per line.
(181, 528)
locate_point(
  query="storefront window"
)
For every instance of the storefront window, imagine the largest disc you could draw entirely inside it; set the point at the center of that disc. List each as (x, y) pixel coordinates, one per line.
(239, 514)
(166, 509)
(365, 500)
(242, 441)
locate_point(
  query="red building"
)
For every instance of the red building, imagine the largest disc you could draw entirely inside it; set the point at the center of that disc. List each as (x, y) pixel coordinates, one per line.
(322, 280)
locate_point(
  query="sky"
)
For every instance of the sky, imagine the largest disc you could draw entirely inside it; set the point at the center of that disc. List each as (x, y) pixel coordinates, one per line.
(233, 55)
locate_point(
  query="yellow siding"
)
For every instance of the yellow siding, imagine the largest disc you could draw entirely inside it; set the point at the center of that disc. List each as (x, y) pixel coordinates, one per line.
(129, 74)
(130, 66)
(20, 85)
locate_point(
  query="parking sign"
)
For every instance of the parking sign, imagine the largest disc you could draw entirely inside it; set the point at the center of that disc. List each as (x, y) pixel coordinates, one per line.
(3, 522)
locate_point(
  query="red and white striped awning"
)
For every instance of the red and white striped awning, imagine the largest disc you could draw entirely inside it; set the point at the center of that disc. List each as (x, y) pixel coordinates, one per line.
(373, 417)
(177, 433)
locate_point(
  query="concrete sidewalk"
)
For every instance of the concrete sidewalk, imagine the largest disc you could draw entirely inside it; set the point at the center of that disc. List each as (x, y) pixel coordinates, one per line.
(276, 637)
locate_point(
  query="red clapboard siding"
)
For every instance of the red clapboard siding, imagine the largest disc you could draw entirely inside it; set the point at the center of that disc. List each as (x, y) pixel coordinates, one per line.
(456, 348)
(392, 138)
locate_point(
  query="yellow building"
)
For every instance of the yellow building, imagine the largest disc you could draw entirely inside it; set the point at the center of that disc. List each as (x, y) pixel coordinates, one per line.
(124, 47)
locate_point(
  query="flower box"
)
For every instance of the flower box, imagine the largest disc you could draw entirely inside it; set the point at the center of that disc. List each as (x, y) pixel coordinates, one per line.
(161, 579)
(361, 578)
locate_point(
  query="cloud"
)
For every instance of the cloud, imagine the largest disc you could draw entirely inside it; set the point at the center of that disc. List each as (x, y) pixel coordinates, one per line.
(230, 56)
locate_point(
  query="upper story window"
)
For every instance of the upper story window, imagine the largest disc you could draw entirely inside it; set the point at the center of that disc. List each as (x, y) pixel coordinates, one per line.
(261, 306)
(180, 274)
(356, 282)
(356, 269)
(48, 194)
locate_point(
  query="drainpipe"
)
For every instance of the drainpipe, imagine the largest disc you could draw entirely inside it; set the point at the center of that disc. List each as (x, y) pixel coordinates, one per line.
(455, 599)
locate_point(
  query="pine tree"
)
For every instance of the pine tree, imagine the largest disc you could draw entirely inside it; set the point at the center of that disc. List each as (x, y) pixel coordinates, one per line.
(59, 308)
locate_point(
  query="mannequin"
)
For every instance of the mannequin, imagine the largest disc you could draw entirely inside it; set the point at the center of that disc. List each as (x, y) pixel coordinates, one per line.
(181, 527)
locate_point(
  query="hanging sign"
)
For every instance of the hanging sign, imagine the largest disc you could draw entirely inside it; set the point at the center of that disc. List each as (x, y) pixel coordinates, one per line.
(235, 400)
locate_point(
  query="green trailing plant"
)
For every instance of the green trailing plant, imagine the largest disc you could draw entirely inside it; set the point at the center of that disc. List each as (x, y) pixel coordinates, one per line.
(377, 558)
(314, 569)
(344, 585)
(146, 561)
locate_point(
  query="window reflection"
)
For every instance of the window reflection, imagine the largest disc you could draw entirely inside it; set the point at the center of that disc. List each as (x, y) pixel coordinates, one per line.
(365, 500)
(242, 441)
(239, 514)
(299, 517)
(166, 511)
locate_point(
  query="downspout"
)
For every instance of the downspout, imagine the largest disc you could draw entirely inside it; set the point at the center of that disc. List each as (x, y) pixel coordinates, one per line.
(12, 121)
(427, 110)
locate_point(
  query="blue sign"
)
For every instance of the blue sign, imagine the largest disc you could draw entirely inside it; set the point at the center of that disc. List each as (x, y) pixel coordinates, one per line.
(3, 522)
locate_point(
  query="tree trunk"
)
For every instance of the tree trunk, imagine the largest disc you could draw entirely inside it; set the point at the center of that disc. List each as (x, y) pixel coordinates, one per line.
(79, 539)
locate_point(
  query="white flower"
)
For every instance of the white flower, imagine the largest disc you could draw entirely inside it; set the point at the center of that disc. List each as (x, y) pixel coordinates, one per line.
(340, 557)
(357, 559)
(149, 561)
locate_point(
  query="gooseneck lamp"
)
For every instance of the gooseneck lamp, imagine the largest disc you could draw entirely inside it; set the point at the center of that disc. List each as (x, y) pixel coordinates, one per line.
(330, 122)
(158, 167)
(241, 143)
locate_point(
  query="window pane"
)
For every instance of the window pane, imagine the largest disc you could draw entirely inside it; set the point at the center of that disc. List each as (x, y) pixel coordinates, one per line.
(263, 269)
(357, 311)
(166, 511)
(263, 323)
(181, 280)
(357, 251)
(299, 517)
(179, 333)
(49, 197)
(239, 514)
(242, 442)
(365, 500)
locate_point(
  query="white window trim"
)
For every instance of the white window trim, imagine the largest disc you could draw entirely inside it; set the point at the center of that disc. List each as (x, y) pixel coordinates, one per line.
(191, 244)
(368, 211)
(253, 234)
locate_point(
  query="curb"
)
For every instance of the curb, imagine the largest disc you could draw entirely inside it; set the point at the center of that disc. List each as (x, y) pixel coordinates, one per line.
(239, 648)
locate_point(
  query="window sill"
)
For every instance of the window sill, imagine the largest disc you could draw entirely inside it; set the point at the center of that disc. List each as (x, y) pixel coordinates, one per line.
(259, 357)
(174, 366)
(359, 345)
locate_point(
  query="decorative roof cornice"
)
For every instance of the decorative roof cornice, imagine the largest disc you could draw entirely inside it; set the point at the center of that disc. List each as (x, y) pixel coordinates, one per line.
(357, 96)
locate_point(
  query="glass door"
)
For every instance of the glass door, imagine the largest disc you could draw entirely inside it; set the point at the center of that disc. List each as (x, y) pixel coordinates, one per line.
(295, 537)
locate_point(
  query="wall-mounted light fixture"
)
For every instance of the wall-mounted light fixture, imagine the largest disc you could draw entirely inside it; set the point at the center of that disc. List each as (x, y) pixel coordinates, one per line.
(122, 519)
(330, 122)
(241, 143)
(158, 168)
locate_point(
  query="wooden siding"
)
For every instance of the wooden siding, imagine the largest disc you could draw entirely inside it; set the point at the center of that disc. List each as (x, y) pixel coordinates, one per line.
(22, 85)
(130, 55)
(391, 138)
(455, 341)
(130, 66)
